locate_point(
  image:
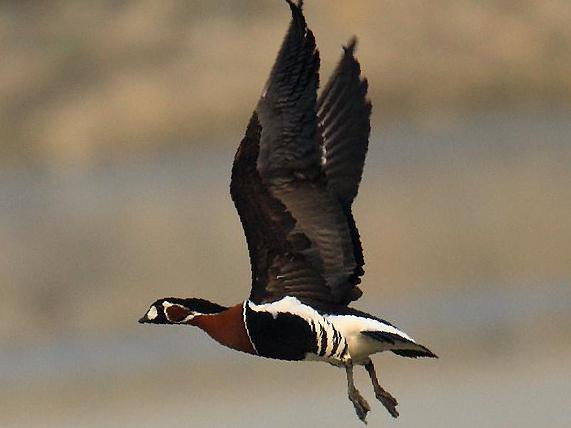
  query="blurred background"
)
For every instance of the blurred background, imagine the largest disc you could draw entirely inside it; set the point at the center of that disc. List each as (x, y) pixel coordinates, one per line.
(118, 126)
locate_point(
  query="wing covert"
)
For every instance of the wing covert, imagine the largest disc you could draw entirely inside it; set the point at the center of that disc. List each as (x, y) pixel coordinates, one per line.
(280, 259)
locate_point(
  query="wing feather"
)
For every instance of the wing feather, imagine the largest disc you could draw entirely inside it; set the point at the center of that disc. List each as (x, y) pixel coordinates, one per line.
(301, 236)
(344, 116)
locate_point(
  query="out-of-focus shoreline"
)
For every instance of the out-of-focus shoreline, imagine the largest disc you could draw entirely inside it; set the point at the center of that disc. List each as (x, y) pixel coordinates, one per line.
(82, 81)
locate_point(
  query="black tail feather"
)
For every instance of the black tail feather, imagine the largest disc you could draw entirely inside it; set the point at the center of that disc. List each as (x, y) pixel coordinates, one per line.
(413, 353)
(417, 350)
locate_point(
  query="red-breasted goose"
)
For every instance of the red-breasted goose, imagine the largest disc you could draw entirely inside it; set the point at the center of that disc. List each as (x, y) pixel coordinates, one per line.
(294, 178)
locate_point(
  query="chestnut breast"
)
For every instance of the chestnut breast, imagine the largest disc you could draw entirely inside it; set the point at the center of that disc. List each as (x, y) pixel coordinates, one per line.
(227, 328)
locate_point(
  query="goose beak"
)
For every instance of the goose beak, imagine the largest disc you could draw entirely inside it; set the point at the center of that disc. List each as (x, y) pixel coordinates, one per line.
(143, 320)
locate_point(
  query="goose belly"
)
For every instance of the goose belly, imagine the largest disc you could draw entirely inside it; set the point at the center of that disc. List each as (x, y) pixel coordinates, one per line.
(361, 346)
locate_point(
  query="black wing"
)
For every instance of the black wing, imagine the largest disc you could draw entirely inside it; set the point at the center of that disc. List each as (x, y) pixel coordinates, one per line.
(344, 117)
(300, 240)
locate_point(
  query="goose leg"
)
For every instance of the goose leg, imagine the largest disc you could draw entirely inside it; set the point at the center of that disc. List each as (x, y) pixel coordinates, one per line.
(382, 395)
(360, 404)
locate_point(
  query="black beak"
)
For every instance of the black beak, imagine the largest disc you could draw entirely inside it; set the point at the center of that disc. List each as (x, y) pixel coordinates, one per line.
(143, 320)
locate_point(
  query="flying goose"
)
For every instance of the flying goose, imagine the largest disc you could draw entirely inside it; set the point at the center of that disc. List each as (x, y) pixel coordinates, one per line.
(294, 179)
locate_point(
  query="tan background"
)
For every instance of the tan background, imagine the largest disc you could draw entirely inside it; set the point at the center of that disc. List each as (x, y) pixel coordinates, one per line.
(118, 124)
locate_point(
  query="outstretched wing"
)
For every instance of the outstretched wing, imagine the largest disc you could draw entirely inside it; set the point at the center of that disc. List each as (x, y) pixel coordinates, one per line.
(278, 265)
(344, 114)
(299, 236)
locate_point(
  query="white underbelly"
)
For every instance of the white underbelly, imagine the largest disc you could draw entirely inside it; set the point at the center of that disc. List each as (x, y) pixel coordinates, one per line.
(360, 345)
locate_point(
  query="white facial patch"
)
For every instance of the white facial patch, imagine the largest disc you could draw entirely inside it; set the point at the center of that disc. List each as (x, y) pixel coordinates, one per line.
(152, 314)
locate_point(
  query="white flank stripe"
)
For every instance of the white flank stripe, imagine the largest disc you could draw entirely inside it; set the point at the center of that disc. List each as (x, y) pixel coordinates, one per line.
(350, 325)
(288, 304)
(319, 324)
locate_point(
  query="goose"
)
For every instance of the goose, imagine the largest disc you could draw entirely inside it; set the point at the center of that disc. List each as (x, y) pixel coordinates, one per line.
(295, 176)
